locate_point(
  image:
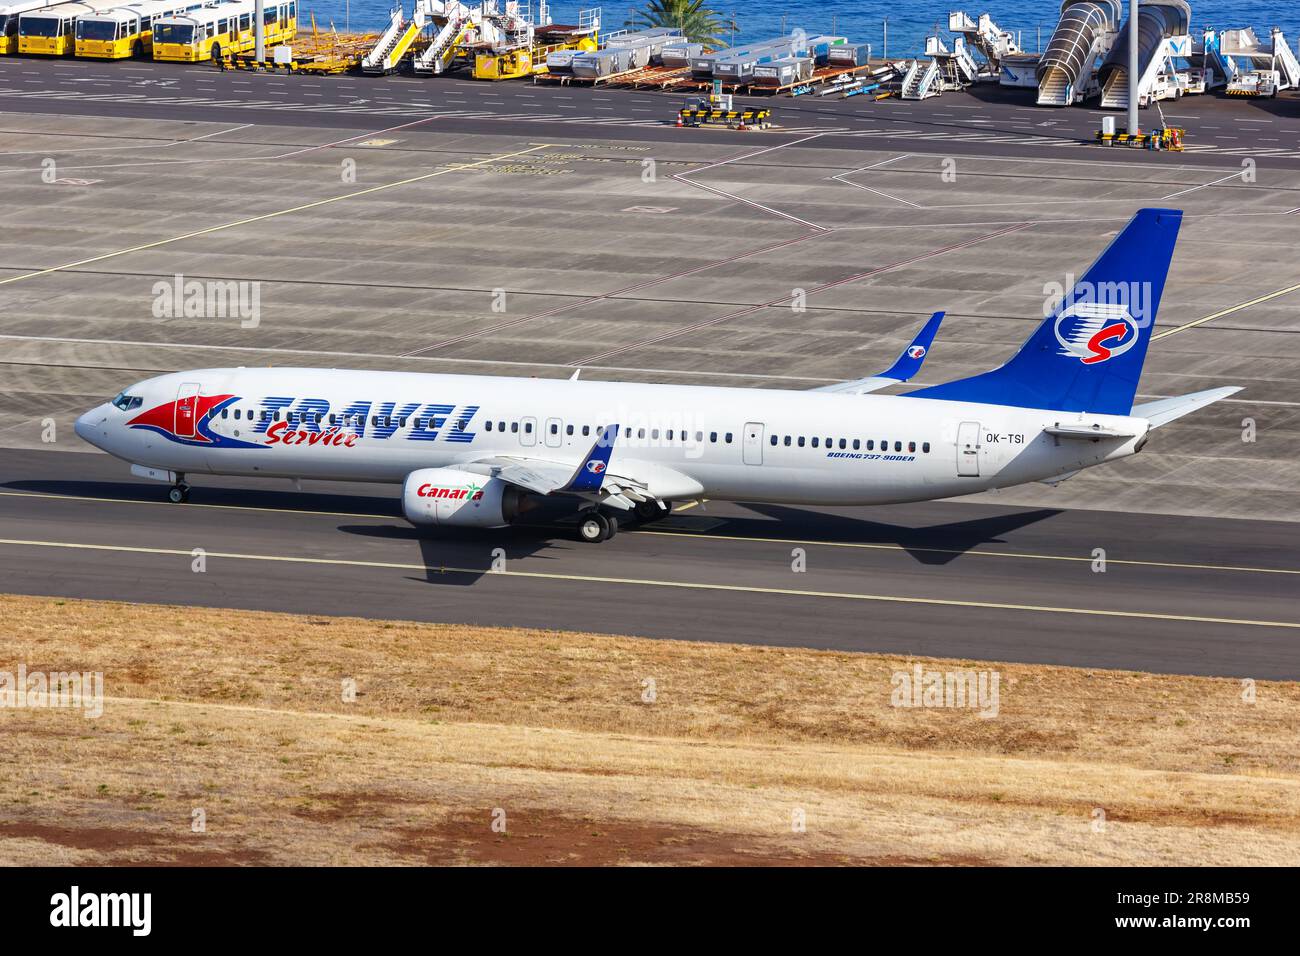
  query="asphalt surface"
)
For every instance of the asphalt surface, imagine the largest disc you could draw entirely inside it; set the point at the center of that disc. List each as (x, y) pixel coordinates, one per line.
(988, 120)
(1179, 595)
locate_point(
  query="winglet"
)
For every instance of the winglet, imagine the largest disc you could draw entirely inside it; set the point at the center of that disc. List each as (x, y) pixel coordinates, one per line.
(590, 475)
(907, 365)
(909, 362)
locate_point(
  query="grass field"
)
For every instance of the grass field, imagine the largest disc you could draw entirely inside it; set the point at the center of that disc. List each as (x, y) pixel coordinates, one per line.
(588, 748)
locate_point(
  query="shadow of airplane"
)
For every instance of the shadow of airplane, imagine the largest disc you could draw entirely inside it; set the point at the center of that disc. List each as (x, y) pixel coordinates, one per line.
(253, 498)
(935, 544)
(461, 556)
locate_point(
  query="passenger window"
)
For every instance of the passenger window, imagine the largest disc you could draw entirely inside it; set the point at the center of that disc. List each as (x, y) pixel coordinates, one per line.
(699, 437)
(871, 444)
(528, 428)
(911, 446)
(568, 430)
(586, 430)
(787, 441)
(800, 441)
(713, 437)
(898, 446)
(514, 427)
(925, 447)
(728, 438)
(774, 439)
(555, 429)
(488, 427)
(843, 443)
(857, 443)
(654, 434)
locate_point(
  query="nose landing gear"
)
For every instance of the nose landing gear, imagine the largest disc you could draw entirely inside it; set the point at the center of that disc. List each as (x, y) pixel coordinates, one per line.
(179, 493)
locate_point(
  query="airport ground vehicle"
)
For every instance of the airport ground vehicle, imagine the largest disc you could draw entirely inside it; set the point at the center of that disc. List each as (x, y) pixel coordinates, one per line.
(125, 31)
(48, 31)
(221, 30)
(9, 13)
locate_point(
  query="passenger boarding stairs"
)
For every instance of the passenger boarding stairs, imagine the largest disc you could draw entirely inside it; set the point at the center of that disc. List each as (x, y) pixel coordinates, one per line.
(957, 68)
(1259, 70)
(1159, 78)
(395, 42)
(991, 41)
(922, 80)
(438, 55)
(1218, 67)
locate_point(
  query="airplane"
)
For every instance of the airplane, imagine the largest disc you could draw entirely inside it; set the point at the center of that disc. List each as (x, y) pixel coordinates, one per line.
(478, 451)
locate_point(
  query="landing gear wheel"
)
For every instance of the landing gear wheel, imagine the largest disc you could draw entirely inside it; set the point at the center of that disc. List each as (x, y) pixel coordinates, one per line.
(647, 511)
(179, 494)
(612, 521)
(593, 527)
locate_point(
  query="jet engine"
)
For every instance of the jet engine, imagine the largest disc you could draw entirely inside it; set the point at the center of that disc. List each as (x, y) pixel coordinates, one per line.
(459, 499)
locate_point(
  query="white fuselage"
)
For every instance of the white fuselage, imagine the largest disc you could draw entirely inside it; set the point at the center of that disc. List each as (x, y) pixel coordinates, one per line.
(762, 445)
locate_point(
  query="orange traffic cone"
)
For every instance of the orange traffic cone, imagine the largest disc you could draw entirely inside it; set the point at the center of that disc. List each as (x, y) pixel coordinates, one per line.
(680, 124)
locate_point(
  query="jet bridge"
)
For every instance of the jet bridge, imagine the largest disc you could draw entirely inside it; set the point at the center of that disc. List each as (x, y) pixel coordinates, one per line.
(1163, 36)
(1085, 32)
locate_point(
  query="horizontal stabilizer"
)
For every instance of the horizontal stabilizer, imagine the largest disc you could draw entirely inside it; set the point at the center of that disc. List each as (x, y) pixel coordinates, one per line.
(908, 364)
(1165, 410)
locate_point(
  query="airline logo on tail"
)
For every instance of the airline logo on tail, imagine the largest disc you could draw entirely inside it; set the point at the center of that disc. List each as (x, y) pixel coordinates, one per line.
(916, 352)
(1095, 332)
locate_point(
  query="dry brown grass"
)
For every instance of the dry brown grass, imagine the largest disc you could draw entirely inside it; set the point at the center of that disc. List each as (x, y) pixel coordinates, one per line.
(241, 715)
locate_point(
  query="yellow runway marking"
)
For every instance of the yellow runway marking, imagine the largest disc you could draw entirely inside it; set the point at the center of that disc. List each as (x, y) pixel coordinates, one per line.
(270, 215)
(1227, 311)
(703, 535)
(652, 582)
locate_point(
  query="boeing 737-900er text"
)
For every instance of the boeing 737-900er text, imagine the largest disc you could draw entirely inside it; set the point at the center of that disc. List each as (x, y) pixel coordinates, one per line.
(475, 451)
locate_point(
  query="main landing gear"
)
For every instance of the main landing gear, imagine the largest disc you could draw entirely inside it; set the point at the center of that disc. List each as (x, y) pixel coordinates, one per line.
(596, 526)
(649, 510)
(179, 493)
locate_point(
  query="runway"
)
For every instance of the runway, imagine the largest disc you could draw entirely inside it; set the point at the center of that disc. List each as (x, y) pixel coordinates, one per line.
(946, 579)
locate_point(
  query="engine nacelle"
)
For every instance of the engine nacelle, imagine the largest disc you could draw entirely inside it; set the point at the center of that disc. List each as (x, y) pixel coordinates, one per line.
(458, 499)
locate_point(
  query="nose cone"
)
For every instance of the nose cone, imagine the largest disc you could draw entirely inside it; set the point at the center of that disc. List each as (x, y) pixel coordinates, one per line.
(88, 426)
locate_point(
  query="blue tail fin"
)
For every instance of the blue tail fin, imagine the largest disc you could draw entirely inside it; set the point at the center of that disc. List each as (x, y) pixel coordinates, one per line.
(1087, 356)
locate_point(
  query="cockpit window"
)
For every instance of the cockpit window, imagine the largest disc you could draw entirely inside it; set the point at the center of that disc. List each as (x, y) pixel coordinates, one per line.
(128, 402)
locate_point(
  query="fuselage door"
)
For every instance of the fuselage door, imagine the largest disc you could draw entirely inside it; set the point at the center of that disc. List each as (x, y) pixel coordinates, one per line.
(753, 443)
(968, 450)
(187, 409)
(554, 438)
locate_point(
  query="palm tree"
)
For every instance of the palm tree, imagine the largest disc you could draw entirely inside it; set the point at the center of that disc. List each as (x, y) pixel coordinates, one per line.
(697, 22)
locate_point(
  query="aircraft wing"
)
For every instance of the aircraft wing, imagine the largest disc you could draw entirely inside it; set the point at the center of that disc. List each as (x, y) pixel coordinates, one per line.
(907, 365)
(591, 478)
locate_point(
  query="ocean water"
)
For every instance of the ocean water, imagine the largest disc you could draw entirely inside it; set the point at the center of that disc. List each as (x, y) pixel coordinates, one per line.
(861, 21)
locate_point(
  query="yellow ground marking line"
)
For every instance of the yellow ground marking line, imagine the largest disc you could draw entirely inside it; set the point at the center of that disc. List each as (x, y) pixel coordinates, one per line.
(653, 582)
(1227, 311)
(704, 535)
(459, 167)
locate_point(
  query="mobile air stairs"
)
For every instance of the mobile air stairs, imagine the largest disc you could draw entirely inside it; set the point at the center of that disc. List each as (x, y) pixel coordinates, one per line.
(987, 39)
(455, 23)
(921, 80)
(1086, 32)
(957, 68)
(1163, 38)
(1271, 68)
(395, 42)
